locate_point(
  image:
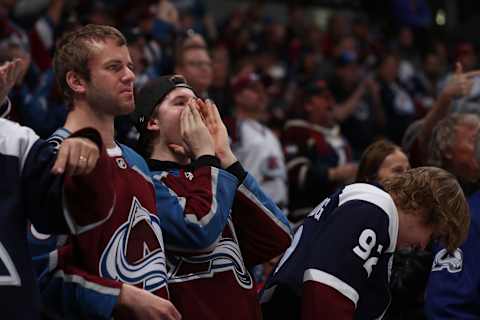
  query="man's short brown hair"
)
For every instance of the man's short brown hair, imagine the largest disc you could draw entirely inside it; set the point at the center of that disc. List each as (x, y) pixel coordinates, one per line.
(440, 199)
(74, 49)
(183, 49)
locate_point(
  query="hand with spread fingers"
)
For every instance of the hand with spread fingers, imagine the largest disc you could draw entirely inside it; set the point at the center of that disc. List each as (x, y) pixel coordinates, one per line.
(9, 73)
(219, 132)
(166, 11)
(194, 132)
(76, 156)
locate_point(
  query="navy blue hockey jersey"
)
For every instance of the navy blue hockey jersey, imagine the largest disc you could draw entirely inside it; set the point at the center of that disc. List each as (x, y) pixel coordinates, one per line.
(453, 289)
(346, 243)
(27, 191)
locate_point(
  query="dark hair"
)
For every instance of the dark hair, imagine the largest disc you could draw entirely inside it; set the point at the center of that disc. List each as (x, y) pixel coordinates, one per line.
(372, 159)
(147, 103)
(145, 141)
(74, 50)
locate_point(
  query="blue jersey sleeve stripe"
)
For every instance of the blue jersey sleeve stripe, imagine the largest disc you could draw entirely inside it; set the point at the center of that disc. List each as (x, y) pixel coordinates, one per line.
(183, 233)
(78, 298)
(142, 173)
(73, 278)
(252, 191)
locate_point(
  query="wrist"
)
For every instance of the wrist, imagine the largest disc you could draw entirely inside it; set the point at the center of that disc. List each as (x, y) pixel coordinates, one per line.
(227, 158)
(204, 152)
(121, 308)
(124, 296)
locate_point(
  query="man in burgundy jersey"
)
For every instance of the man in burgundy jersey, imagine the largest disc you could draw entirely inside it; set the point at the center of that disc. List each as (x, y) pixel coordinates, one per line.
(114, 264)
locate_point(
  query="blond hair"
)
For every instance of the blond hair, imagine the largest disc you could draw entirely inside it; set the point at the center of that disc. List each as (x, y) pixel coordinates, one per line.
(437, 194)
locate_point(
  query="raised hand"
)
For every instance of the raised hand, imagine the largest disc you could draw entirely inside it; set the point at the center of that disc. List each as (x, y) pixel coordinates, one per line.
(461, 82)
(194, 133)
(219, 133)
(167, 11)
(9, 73)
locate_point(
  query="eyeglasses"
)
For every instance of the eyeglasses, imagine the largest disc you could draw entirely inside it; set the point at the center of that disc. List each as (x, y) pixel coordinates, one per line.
(199, 64)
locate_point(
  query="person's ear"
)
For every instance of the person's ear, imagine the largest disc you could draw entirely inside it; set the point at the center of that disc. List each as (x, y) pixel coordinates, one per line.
(153, 124)
(75, 82)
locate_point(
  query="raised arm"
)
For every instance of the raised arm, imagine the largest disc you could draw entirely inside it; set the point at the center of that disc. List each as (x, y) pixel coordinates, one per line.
(9, 73)
(262, 227)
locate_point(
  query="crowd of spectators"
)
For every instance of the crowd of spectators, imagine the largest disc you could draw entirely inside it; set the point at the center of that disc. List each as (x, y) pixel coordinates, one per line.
(301, 102)
(380, 80)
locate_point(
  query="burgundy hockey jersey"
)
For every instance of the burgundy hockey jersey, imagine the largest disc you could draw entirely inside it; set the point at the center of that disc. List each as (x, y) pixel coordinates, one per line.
(310, 151)
(121, 238)
(213, 281)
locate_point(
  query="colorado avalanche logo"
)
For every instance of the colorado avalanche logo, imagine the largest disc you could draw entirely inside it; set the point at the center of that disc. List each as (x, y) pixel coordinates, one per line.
(452, 262)
(134, 254)
(225, 257)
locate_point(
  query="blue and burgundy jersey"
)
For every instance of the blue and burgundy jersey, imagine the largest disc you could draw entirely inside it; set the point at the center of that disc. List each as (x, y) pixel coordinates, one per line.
(120, 241)
(345, 244)
(217, 224)
(120, 238)
(310, 151)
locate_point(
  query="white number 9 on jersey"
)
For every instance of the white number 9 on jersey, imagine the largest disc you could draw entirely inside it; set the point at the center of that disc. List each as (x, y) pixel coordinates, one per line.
(366, 243)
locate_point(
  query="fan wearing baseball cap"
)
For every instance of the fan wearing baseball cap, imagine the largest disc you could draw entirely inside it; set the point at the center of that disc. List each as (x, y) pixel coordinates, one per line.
(216, 221)
(256, 145)
(319, 158)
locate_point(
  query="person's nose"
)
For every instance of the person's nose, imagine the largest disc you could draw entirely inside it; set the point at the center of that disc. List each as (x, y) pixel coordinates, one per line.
(128, 76)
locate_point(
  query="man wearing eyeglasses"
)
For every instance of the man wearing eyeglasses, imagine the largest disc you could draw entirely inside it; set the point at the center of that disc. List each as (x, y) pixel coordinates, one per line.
(195, 64)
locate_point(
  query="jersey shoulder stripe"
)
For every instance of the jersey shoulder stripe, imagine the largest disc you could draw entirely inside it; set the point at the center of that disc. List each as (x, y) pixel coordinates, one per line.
(379, 198)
